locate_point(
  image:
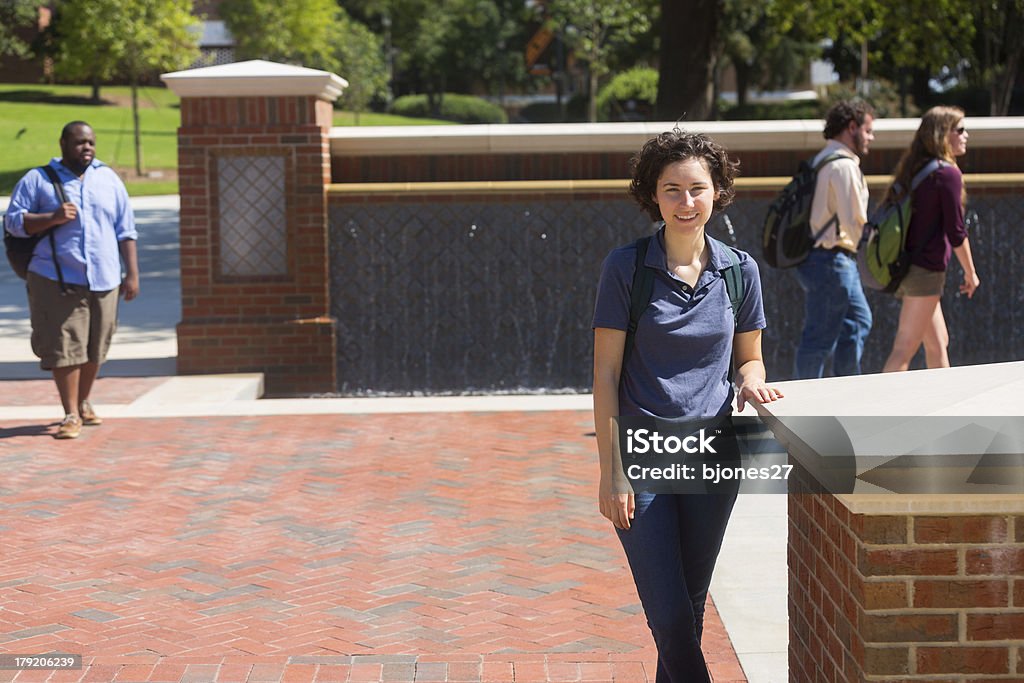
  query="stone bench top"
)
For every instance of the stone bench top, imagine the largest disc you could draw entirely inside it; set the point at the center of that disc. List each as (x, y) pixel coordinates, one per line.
(992, 391)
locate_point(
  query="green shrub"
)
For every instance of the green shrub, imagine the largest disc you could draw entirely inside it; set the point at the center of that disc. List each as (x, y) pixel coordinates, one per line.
(541, 112)
(551, 112)
(883, 95)
(975, 101)
(454, 107)
(578, 107)
(639, 85)
(766, 111)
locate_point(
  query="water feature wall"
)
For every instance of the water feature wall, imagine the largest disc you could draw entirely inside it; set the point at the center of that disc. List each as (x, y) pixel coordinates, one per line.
(467, 277)
(438, 294)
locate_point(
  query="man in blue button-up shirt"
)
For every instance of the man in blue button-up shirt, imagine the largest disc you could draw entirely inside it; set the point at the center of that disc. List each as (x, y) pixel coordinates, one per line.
(73, 283)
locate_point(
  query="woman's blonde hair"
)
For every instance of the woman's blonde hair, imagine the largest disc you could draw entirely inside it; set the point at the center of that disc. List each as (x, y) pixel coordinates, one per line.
(931, 141)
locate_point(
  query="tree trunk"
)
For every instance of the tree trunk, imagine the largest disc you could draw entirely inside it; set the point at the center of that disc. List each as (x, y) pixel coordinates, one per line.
(592, 97)
(742, 83)
(560, 79)
(95, 90)
(1013, 52)
(1002, 85)
(134, 82)
(689, 35)
(919, 88)
(901, 79)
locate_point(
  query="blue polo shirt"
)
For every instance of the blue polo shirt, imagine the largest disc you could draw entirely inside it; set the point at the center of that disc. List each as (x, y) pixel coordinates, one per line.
(87, 246)
(682, 351)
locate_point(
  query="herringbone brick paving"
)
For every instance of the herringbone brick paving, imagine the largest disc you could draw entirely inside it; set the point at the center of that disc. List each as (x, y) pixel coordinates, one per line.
(429, 547)
(41, 392)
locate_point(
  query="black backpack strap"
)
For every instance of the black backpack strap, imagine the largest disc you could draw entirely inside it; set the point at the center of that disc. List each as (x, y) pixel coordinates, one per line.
(643, 287)
(922, 175)
(733, 283)
(639, 294)
(733, 280)
(835, 156)
(58, 187)
(926, 170)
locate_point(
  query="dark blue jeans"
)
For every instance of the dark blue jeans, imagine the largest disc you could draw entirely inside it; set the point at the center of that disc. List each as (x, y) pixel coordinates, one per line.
(672, 545)
(837, 318)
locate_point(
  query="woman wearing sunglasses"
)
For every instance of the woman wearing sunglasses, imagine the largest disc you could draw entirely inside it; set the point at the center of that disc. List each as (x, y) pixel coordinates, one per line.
(936, 232)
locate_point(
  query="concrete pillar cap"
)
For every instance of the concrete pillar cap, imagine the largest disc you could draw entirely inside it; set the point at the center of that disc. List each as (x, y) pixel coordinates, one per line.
(255, 78)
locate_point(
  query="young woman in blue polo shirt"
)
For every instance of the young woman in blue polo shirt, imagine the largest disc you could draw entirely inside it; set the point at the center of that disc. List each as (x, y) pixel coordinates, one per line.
(685, 344)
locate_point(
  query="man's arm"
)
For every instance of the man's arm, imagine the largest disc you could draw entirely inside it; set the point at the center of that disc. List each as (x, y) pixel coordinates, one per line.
(130, 284)
(24, 217)
(33, 223)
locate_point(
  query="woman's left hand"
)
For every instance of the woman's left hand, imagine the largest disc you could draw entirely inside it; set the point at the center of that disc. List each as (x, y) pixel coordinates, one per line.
(969, 284)
(756, 391)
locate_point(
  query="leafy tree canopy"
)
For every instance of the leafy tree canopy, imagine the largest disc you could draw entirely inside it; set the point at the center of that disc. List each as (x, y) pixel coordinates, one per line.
(313, 33)
(295, 32)
(101, 39)
(361, 62)
(105, 39)
(13, 15)
(594, 29)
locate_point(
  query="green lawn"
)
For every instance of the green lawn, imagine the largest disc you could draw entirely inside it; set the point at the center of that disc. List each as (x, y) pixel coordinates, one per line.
(31, 117)
(369, 118)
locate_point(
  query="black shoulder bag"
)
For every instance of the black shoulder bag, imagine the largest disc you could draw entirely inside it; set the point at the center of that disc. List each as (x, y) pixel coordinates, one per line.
(20, 249)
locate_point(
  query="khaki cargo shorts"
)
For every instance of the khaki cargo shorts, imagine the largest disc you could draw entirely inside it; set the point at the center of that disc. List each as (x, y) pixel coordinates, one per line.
(70, 328)
(922, 282)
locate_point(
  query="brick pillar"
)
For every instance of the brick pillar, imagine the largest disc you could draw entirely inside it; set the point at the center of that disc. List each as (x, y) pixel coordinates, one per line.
(933, 592)
(253, 164)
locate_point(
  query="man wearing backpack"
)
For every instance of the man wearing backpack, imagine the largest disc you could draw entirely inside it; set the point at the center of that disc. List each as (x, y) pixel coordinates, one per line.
(837, 319)
(74, 275)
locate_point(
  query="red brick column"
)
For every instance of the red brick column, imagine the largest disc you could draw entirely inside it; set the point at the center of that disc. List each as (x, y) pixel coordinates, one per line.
(253, 170)
(904, 597)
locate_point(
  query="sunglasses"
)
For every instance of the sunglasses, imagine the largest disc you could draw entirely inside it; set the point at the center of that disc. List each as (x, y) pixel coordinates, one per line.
(961, 130)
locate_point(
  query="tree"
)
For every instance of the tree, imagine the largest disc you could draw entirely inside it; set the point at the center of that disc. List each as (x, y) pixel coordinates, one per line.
(998, 50)
(15, 14)
(594, 29)
(893, 37)
(361, 61)
(762, 54)
(313, 33)
(299, 32)
(463, 46)
(103, 39)
(686, 67)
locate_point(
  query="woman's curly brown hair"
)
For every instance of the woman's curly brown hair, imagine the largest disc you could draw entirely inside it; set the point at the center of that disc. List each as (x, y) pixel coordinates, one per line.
(677, 145)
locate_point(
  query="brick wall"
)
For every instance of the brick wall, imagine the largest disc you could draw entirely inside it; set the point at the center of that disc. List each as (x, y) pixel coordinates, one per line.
(275, 323)
(610, 165)
(904, 597)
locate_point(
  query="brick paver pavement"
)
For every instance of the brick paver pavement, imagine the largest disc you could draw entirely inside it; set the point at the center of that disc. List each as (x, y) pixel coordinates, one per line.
(36, 392)
(428, 547)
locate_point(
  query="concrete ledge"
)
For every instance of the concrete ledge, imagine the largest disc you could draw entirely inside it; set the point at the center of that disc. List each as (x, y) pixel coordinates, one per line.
(255, 78)
(970, 391)
(239, 395)
(932, 504)
(551, 138)
(200, 391)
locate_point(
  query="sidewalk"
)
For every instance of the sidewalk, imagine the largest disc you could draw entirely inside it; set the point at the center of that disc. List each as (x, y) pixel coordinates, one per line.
(203, 535)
